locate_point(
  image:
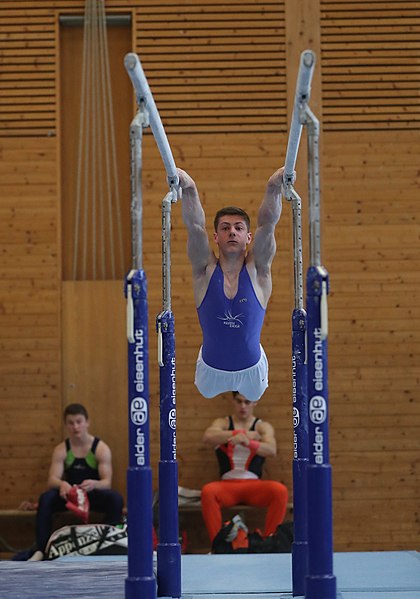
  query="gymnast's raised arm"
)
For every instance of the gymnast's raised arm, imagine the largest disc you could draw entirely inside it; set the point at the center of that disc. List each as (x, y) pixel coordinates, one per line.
(198, 248)
(261, 256)
(264, 247)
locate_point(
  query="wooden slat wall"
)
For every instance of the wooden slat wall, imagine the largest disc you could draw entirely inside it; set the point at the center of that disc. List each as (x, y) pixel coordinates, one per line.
(29, 313)
(215, 66)
(370, 84)
(371, 233)
(372, 239)
(28, 58)
(370, 64)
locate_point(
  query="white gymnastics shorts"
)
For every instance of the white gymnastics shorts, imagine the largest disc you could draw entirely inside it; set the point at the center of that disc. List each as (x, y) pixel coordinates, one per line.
(250, 382)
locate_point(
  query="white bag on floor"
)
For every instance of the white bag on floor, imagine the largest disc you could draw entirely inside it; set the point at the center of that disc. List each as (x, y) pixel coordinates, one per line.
(87, 539)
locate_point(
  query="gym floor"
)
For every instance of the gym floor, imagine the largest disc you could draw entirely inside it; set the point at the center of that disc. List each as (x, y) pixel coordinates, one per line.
(373, 575)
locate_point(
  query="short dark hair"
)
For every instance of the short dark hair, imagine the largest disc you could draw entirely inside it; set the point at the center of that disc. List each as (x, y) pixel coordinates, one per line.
(75, 409)
(232, 211)
(236, 394)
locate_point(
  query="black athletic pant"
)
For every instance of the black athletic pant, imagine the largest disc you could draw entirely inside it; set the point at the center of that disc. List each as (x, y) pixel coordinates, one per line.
(106, 501)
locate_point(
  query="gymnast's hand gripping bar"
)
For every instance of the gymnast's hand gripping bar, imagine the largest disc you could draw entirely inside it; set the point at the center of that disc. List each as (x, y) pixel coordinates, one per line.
(143, 93)
(303, 91)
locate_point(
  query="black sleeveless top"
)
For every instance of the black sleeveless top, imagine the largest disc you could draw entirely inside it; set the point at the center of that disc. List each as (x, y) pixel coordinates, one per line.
(76, 470)
(252, 467)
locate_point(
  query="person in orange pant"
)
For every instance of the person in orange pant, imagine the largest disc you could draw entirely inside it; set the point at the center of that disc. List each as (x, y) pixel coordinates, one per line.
(242, 442)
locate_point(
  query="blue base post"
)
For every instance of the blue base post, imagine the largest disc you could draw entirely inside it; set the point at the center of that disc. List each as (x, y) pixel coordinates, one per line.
(321, 587)
(300, 452)
(141, 582)
(140, 555)
(300, 543)
(169, 548)
(320, 582)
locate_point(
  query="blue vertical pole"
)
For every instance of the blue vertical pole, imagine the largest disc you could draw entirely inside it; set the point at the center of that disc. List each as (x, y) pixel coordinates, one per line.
(312, 550)
(320, 583)
(141, 582)
(169, 549)
(299, 365)
(300, 405)
(300, 452)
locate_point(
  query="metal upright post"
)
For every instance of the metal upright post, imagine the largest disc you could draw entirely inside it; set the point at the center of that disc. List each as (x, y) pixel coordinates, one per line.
(300, 421)
(169, 549)
(312, 549)
(320, 582)
(141, 581)
(299, 324)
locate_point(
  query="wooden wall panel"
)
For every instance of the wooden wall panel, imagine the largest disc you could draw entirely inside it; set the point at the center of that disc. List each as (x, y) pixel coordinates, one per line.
(93, 329)
(28, 64)
(370, 64)
(231, 143)
(96, 203)
(29, 314)
(218, 67)
(371, 245)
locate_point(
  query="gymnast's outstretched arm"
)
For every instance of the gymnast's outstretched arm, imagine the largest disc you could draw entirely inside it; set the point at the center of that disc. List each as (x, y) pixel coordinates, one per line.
(199, 251)
(268, 216)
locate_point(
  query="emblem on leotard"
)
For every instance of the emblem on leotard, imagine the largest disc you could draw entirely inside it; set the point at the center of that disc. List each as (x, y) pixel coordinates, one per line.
(231, 320)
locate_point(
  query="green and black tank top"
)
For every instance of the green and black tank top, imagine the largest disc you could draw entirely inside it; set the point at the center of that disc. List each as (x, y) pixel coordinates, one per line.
(76, 470)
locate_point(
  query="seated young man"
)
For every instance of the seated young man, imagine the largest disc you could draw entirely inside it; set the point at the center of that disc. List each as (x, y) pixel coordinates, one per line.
(82, 460)
(242, 442)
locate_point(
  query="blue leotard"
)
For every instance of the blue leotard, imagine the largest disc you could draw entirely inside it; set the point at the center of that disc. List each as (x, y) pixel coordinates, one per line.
(231, 327)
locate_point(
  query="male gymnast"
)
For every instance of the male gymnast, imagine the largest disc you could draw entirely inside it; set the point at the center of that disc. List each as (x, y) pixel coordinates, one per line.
(232, 289)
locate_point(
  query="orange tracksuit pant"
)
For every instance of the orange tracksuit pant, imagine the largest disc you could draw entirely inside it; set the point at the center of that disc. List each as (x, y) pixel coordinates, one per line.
(268, 494)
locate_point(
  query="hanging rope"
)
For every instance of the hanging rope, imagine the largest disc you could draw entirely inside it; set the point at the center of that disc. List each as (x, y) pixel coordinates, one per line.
(98, 237)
